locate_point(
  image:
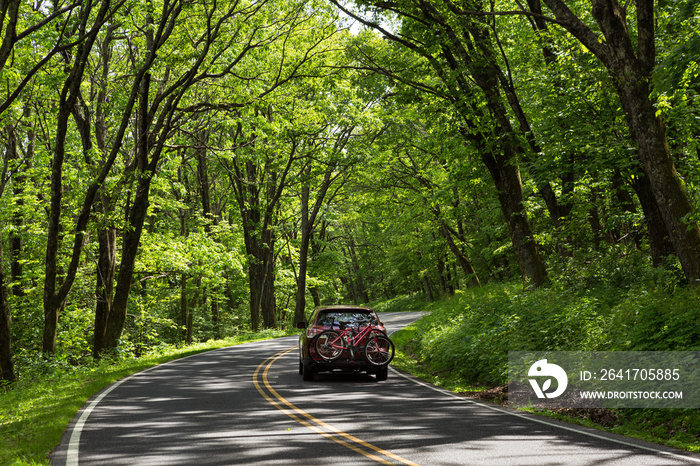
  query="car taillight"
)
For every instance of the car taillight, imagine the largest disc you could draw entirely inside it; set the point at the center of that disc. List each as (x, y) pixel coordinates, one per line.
(312, 332)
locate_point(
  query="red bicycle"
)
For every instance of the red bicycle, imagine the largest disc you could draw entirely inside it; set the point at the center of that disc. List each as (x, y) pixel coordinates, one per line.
(376, 347)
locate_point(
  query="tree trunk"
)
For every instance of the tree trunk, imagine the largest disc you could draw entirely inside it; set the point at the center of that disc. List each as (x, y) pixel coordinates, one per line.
(132, 238)
(359, 290)
(462, 259)
(183, 305)
(510, 195)
(308, 223)
(135, 222)
(500, 156)
(215, 319)
(444, 280)
(260, 250)
(106, 233)
(262, 284)
(502, 164)
(106, 268)
(316, 295)
(7, 369)
(300, 303)
(144, 169)
(660, 246)
(15, 238)
(203, 178)
(53, 299)
(251, 184)
(269, 301)
(427, 288)
(633, 77)
(190, 309)
(666, 186)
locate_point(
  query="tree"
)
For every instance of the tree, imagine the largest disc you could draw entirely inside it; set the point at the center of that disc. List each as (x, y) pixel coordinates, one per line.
(337, 142)
(279, 135)
(7, 370)
(421, 163)
(54, 298)
(461, 54)
(258, 181)
(70, 96)
(627, 50)
(163, 110)
(34, 22)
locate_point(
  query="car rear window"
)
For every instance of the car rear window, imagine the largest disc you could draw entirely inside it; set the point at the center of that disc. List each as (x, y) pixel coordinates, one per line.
(352, 318)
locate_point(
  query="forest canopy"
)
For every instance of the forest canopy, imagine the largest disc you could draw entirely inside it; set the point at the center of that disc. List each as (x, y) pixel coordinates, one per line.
(181, 170)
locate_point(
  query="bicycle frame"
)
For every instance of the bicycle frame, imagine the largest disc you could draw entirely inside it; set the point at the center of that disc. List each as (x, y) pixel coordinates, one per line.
(349, 341)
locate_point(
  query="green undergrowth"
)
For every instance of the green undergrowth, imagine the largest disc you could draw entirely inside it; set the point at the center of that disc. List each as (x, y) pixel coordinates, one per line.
(406, 303)
(407, 360)
(35, 411)
(463, 344)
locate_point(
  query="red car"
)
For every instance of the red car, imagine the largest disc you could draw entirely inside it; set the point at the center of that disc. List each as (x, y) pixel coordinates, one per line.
(344, 338)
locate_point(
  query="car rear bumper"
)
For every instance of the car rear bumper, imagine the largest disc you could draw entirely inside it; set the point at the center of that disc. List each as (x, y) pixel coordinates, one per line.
(347, 365)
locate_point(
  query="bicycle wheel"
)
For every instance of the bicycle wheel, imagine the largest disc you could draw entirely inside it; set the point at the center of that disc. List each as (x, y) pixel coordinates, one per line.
(329, 345)
(379, 350)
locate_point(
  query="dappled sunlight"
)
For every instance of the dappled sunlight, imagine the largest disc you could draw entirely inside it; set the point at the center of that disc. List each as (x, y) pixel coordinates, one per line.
(415, 423)
(206, 410)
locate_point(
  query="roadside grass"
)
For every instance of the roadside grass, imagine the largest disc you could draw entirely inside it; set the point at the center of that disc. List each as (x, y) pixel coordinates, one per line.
(35, 411)
(408, 361)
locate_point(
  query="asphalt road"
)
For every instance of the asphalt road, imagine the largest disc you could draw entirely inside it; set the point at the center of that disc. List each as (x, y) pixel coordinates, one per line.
(247, 404)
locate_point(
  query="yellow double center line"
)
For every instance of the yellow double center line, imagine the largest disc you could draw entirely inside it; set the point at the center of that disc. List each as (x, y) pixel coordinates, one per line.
(318, 426)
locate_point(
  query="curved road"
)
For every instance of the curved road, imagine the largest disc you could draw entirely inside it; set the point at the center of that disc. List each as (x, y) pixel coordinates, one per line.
(247, 404)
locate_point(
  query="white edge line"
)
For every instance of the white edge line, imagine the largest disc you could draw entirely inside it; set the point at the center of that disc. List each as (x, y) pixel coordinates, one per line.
(535, 418)
(74, 444)
(73, 452)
